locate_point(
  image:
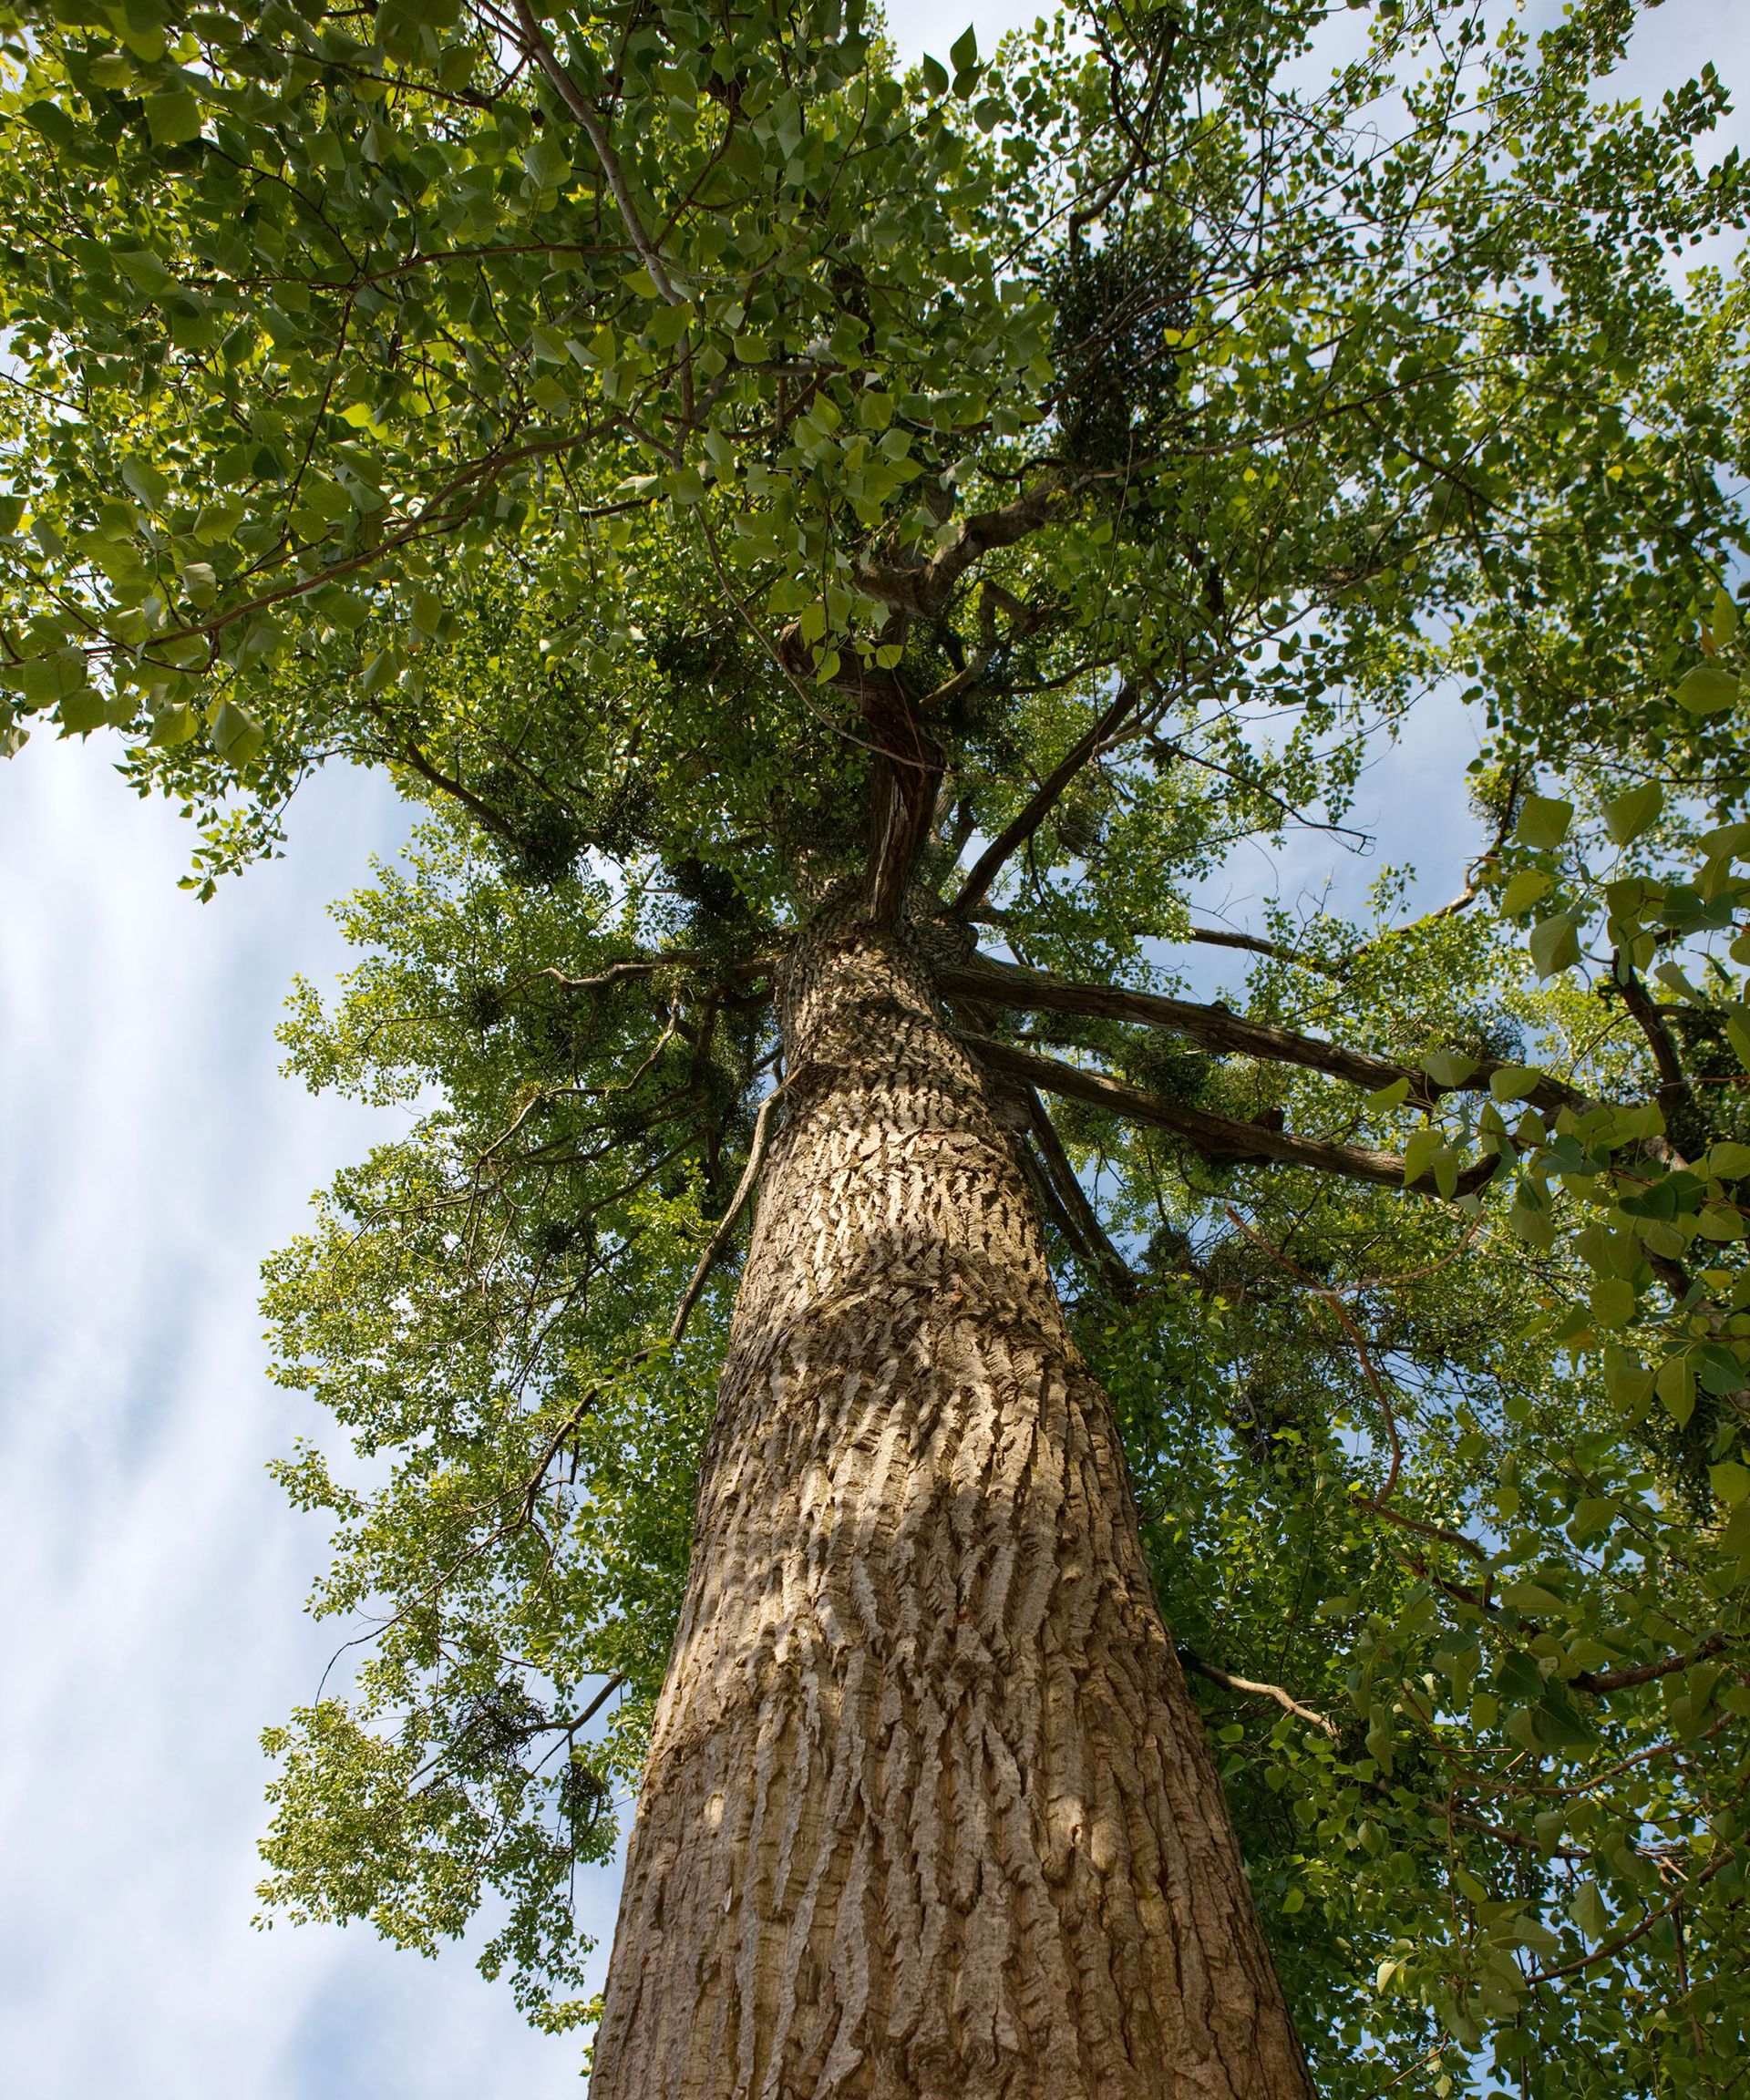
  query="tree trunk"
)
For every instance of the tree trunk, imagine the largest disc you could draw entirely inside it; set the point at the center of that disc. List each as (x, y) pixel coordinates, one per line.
(929, 1813)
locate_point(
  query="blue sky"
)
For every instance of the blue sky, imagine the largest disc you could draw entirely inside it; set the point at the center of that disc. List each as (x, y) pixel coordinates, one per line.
(150, 1155)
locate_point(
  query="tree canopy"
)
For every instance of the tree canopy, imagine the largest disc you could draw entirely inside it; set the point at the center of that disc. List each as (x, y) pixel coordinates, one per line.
(703, 462)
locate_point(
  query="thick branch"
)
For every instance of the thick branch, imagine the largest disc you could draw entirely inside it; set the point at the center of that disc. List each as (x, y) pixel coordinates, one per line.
(904, 785)
(925, 589)
(1218, 1137)
(483, 813)
(1052, 1206)
(1673, 1081)
(1214, 1027)
(1067, 1187)
(1039, 806)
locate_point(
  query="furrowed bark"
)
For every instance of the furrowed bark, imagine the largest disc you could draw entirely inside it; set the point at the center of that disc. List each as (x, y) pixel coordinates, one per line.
(929, 1813)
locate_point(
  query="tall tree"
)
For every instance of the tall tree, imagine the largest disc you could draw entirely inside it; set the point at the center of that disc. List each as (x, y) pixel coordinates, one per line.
(848, 558)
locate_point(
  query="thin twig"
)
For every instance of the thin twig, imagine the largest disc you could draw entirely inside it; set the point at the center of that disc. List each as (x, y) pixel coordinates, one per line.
(1285, 1700)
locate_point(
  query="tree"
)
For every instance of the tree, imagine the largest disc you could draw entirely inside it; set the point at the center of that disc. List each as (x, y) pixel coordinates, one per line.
(844, 558)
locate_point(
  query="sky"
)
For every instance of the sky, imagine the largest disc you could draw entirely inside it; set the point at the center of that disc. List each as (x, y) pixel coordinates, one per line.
(150, 1155)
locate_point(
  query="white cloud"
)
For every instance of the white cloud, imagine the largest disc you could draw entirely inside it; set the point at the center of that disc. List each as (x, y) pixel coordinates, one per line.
(153, 1577)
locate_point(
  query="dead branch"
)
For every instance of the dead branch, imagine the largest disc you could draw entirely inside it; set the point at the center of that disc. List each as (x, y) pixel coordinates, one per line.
(727, 1223)
(1199, 1667)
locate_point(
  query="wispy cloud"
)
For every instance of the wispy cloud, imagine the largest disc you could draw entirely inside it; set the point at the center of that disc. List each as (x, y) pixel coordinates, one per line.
(151, 1154)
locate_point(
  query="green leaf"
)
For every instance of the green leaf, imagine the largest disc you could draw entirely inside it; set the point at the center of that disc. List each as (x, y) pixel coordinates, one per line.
(51, 677)
(173, 117)
(146, 481)
(1629, 815)
(52, 122)
(82, 711)
(1728, 1160)
(1543, 822)
(1586, 1908)
(1514, 1082)
(935, 74)
(1612, 1301)
(1627, 1380)
(1448, 1068)
(1391, 1096)
(1676, 1386)
(172, 727)
(1708, 689)
(1726, 842)
(1555, 945)
(1524, 887)
(1722, 621)
(1730, 1481)
(237, 736)
(964, 52)
(1424, 1143)
(146, 272)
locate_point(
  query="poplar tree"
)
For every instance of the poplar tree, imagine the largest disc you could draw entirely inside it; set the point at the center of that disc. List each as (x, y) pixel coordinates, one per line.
(850, 560)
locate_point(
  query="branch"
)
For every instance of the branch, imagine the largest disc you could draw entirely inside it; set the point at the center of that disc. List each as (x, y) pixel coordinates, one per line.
(1218, 1137)
(1216, 1027)
(727, 1223)
(639, 966)
(1628, 1939)
(1021, 827)
(481, 811)
(1288, 1704)
(1254, 944)
(577, 103)
(1052, 1206)
(1598, 1681)
(904, 785)
(1516, 1839)
(1673, 1081)
(1067, 1185)
(595, 1704)
(924, 589)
